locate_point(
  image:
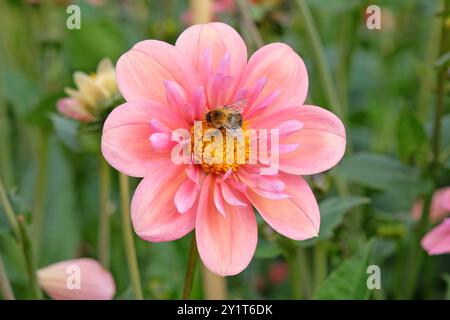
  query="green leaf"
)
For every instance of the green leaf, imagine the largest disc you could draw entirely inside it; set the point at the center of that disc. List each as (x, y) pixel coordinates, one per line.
(20, 91)
(411, 136)
(378, 171)
(66, 130)
(446, 278)
(332, 211)
(442, 60)
(349, 280)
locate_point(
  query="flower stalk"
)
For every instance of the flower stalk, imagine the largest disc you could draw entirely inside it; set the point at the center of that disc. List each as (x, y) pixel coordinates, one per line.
(320, 60)
(190, 273)
(104, 218)
(30, 264)
(432, 171)
(5, 286)
(128, 240)
(40, 192)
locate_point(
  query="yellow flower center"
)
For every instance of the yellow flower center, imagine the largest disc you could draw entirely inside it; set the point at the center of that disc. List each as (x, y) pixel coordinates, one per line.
(219, 149)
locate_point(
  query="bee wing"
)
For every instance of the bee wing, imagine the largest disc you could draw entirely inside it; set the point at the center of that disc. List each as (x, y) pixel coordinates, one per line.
(237, 106)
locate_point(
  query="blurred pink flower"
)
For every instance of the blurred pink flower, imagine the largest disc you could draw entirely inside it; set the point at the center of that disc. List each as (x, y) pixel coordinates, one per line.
(169, 87)
(437, 241)
(93, 95)
(77, 279)
(278, 272)
(440, 206)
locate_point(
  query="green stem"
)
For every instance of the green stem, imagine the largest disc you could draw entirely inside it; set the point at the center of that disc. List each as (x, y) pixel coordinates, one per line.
(305, 272)
(29, 258)
(104, 234)
(6, 166)
(249, 23)
(190, 272)
(9, 212)
(128, 240)
(320, 60)
(39, 193)
(433, 170)
(294, 271)
(5, 286)
(348, 29)
(426, 79)
(320, 263)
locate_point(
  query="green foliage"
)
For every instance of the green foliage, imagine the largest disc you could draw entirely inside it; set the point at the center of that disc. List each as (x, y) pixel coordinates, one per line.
(347, 281)
(412, 138)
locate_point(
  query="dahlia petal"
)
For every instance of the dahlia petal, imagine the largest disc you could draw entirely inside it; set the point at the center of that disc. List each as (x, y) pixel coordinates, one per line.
(185, 196)
(437, 241)
(126, 132)
(230, 196)
(218, 199)
(77, 279)
(296, 217)
(321, 140)
(142, 70)
(226, 244)
(284, 71)
(153, 212)
(224, 46)
(161, 142)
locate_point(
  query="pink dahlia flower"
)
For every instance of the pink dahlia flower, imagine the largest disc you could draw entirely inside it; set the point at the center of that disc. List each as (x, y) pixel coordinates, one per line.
(171, 87)
(77, 279)
(440, 205)
(437, 241)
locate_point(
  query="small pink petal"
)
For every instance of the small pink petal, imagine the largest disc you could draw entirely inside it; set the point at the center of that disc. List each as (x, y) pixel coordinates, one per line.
(73, 109)
(218, 199)
(226, 244)
(77, 279)
(185, 196)
(161, 142)
(437, 241)
(440, 206)
(230, 196)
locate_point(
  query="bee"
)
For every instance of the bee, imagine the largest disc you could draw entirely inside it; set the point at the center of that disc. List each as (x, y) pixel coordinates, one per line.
(228, 117)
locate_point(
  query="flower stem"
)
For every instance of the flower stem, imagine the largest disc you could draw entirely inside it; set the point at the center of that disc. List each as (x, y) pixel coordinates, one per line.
(214, 286)
(320, 263)
(128, 241)
(426, 80)
(190, 273)
(417, 252)
(5, 286)
(294, 271)
(249, 23)
(9, 212)
(201, 11)
(39, 192)
(320, 61)
(6, 166)
(104, 185)
(29, 258)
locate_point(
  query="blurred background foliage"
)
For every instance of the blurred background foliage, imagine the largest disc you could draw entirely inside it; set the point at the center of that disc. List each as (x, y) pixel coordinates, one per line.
(385, 83)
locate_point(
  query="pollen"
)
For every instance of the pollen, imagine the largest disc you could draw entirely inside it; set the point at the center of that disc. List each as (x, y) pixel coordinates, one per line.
(218, 150)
